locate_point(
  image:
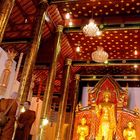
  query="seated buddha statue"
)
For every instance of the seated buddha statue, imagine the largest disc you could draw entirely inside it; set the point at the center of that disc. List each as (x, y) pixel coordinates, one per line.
(82, 130)
(105, 112)
(129, 133)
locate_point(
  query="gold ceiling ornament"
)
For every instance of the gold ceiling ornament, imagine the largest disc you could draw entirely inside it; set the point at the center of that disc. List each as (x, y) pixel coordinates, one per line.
(11, 54)
(99, 55)
(91, 29)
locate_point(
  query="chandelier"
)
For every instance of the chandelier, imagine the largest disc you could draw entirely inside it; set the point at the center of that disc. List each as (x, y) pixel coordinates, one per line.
(91, 29)
(99, 55)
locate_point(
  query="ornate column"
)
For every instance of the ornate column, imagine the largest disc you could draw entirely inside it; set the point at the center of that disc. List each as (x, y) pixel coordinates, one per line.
(77, 78)
(6, 7)
(50, 83)
(31, 56)
(4, 79)
(63, 101)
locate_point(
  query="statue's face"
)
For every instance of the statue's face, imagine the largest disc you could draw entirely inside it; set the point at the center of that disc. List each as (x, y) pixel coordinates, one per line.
(83, 121)
(106, 98)
(130, 125)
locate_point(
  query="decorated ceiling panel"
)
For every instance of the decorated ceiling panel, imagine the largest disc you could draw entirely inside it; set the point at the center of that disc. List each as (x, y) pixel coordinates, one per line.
(119, 44)
(94, 8)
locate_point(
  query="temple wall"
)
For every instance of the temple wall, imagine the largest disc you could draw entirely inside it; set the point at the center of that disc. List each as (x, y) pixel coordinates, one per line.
(134, 96)
(84, 101)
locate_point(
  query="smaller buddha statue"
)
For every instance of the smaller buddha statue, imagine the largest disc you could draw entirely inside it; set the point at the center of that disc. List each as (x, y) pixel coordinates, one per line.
(129, 133)
(83, 130)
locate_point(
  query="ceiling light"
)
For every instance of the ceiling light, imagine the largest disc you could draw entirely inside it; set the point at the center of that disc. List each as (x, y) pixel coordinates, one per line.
(70, 23)
(94, 77)
(26, 20)
(125, 77)
(135, 52)
(99, 55)
(106, 62)
(91, 29)
(78, 49)
(98, 33)
(135, 66)
(45, 122)
(67, 16)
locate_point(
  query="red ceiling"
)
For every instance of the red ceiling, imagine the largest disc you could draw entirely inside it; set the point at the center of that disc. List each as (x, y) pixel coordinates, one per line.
(119, 44)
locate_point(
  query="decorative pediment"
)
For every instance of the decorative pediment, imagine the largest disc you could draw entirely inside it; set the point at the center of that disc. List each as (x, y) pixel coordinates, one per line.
(118, 95)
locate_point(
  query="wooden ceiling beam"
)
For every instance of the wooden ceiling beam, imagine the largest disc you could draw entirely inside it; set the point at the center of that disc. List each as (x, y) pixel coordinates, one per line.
(63, 1)
(25, 15)
(35, 2)
(110, 63)
(16, 41)
(14, 28)
(105, 27)
(22, 24)
(117, 79)
(19, 30)
(107, 22)
(12, 25)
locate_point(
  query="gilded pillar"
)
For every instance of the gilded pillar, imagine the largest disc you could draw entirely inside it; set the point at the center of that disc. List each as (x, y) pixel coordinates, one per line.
(32, 84)
(31, 56)
(77, 78)
(6, 7)
(47, 99)
(63, 101)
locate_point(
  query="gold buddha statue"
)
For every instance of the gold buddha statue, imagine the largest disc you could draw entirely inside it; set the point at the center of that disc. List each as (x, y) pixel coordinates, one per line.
(107, 121)
(129, 133)
(82, 130)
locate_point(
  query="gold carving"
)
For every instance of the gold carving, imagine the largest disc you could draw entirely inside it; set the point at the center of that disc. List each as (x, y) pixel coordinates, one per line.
(77, 77)
(11, 54)
(68, 61)
(78, 107)
(60, 28)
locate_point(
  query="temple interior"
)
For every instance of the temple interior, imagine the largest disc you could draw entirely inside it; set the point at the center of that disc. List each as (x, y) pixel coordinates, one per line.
(77, 62)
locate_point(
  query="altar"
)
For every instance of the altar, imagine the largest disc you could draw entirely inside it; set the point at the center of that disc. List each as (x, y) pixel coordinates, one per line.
(107, 116)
